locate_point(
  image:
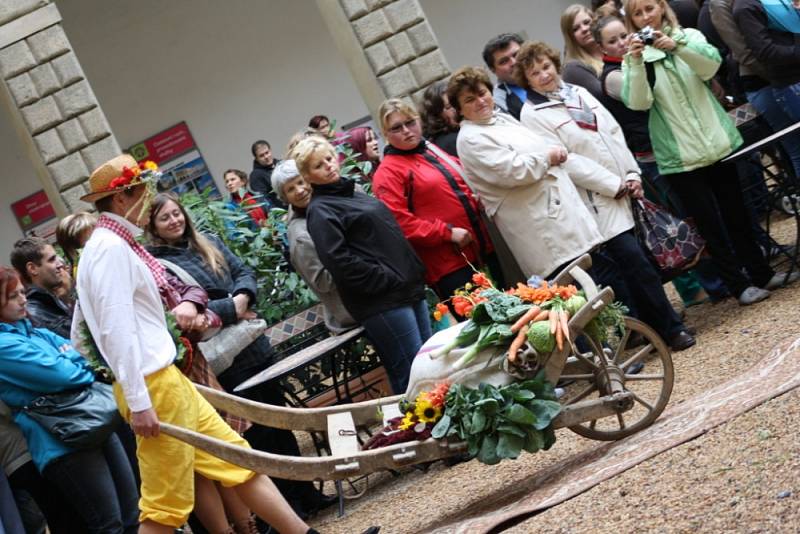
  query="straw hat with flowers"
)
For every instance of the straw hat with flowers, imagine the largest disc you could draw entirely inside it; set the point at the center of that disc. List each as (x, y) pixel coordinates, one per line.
(119, 174)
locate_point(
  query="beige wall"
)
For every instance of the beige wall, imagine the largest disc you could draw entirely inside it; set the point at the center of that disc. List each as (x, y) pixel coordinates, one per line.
(235, 70)
(17, 178)
(464, 26)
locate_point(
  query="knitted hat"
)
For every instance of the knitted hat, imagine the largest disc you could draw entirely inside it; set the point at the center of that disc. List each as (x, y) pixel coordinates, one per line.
(118, 174)
(283, 172)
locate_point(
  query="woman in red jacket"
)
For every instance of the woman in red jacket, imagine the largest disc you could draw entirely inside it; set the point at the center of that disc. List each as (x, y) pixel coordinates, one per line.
(437, 212)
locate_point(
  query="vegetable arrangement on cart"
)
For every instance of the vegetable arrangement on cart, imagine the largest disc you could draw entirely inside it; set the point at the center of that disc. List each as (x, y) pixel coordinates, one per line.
(616, 376)
(537, 314)
(524, 325)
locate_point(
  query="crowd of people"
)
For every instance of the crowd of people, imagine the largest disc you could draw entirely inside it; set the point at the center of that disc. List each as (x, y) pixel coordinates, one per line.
(516, 178)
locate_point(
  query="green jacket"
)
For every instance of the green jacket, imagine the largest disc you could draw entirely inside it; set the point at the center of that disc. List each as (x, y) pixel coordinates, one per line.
(688, 127)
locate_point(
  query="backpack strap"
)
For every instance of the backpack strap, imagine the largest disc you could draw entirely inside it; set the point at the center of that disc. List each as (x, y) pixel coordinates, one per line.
(651, 74)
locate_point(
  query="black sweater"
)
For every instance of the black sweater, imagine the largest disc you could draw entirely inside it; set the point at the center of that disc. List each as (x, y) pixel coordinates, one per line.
(360, 243)
(261, 183)
(237, 278)
(777, 51)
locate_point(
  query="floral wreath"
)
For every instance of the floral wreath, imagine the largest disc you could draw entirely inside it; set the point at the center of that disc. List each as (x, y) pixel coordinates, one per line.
(146, 171)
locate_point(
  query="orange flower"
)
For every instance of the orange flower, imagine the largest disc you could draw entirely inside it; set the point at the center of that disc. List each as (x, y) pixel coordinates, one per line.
(438, 394)
(461, 305)
(480, 279)
(441, 311)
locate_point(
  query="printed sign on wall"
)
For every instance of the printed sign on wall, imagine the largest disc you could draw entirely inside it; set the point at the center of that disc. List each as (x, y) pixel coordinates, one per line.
(36, 216)
(179, 159)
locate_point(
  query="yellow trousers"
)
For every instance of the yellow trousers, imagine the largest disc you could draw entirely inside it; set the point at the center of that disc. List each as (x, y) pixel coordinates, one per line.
(166, 464)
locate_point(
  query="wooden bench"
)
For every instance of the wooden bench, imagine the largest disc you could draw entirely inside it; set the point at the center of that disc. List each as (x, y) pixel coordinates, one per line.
(317, 369)
(302, 341)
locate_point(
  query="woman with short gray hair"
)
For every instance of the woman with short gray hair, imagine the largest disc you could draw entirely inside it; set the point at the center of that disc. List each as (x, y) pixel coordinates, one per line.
(294, 191)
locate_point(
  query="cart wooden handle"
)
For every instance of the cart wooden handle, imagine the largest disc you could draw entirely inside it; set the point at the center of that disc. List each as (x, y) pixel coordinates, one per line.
(370, 461)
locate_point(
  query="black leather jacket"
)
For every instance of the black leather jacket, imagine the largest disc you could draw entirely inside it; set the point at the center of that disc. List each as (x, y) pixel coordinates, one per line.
(45, 310)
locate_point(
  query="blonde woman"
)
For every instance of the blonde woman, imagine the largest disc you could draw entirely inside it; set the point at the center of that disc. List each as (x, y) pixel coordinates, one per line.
(72, 232)
(358, 240)
(583, 57)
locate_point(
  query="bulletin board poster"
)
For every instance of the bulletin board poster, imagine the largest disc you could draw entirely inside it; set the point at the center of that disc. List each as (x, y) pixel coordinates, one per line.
(179, 160)
(36, 216)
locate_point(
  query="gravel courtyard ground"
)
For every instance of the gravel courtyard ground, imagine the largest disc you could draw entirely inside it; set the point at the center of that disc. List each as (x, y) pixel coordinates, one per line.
(743, 476)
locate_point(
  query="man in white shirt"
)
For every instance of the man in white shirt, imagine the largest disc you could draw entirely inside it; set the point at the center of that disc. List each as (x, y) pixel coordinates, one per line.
(118, 286)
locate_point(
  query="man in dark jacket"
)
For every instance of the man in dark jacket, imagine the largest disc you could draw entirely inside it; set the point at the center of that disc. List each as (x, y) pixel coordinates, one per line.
(261, 175)
(500, 54)
(686, 11)
(43, 271)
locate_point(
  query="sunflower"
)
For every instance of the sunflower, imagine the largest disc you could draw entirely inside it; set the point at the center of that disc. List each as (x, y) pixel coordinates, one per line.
(408, 421)
(426, 411)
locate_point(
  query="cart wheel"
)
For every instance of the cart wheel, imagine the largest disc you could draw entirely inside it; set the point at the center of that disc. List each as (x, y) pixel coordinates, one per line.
(651, 386)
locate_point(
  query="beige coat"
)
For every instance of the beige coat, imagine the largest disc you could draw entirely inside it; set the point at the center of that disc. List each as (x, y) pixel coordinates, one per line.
(305, 260)
(535, 206)
(598, 163)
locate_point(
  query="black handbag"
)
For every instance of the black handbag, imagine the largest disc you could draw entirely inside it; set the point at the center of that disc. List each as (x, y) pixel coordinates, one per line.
(80, 419)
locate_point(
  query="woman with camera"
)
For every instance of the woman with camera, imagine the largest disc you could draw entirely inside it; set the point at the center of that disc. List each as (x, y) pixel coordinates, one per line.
(691, 134)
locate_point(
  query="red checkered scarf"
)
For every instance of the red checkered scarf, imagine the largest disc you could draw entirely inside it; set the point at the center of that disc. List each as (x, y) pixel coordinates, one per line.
(158, 270)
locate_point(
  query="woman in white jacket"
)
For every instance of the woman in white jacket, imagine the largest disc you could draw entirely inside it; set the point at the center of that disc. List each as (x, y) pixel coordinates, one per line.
(570, 115)
(520, 180)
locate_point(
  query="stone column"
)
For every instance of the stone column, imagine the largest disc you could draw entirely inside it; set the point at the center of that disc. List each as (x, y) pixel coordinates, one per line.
(389, 46)
(55, 101)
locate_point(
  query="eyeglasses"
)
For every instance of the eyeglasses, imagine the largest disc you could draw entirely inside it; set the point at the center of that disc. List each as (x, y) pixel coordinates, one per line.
(397, 128)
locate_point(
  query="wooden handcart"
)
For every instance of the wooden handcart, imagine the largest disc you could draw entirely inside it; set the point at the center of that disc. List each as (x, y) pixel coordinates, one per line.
(602, 400)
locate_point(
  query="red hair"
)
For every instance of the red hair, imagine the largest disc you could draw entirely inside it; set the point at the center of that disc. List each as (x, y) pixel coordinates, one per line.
(9, 278)
(358, 141)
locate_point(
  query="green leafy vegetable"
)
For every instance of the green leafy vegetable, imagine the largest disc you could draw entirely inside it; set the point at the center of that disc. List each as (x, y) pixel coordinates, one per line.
(499, 308)
(540, 338)
(467, 336)
(491, 334)
(574, 304)
(499, 423)
(611, 317)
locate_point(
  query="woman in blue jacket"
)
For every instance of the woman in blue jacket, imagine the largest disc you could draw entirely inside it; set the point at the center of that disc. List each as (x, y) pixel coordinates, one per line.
(99, 482)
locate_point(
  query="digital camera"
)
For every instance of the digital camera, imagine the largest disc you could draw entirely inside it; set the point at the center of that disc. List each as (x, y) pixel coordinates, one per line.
(646, 35)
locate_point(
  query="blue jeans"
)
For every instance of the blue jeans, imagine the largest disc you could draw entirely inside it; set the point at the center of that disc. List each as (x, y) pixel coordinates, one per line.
(621, 263)
(780, 108)
(398, 335)
(99, 484)
(788, 98)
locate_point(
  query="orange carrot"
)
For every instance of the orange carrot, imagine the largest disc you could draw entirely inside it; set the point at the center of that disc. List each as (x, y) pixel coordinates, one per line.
(553, 321)
(541, 317)
(513, 349)
(526, 318)
(564, 318)
(559, 336)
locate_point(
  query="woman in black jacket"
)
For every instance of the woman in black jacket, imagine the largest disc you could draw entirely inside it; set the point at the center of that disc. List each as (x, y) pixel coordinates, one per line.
(379, 276)
(231, 288)
(772, 31)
